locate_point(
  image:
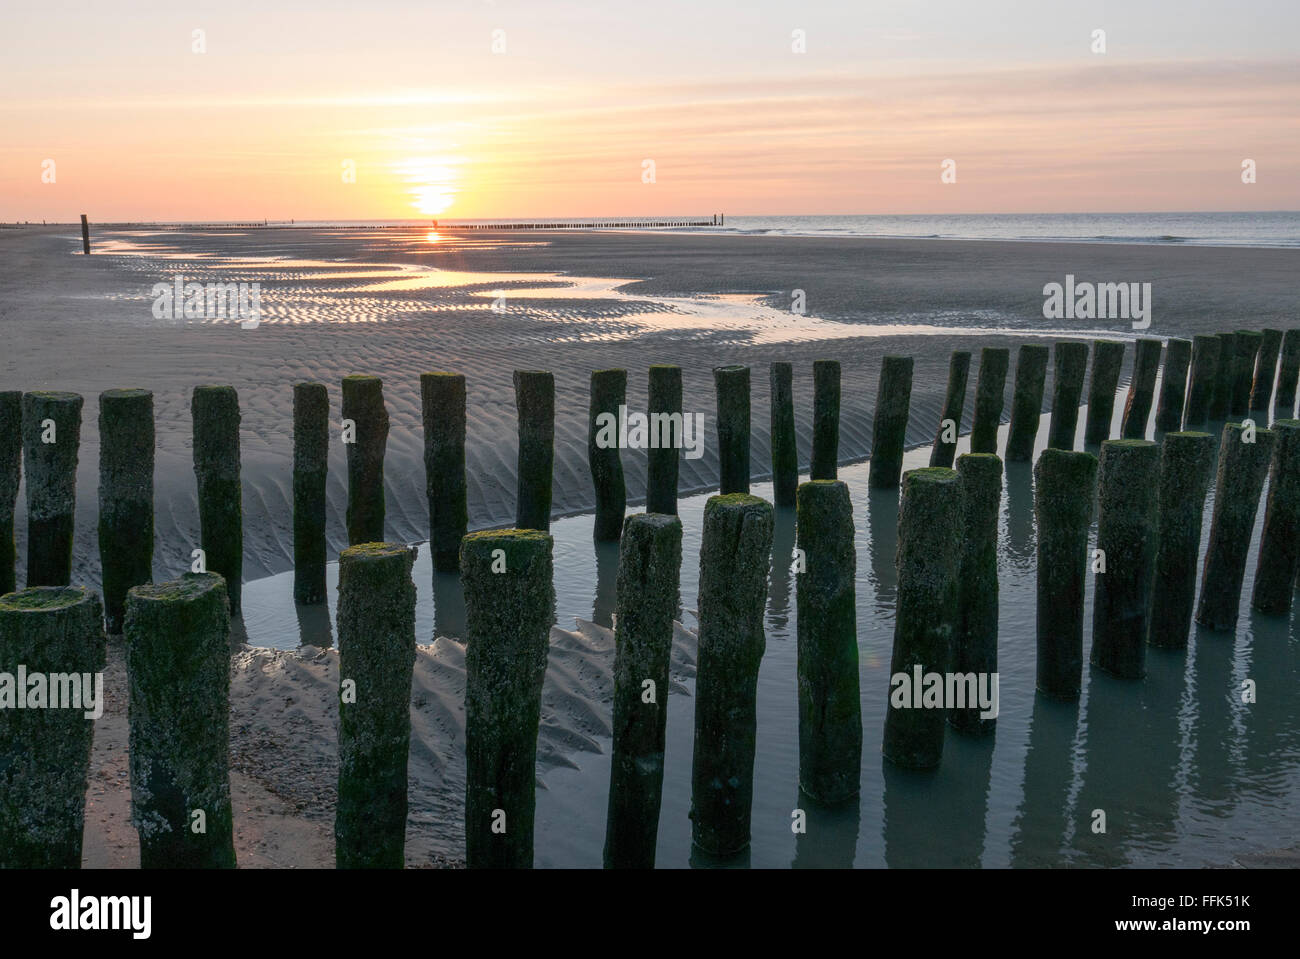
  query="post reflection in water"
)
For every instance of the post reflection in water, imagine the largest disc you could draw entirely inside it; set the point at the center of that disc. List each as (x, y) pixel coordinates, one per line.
(1044, 814)
(314, 628)
(778, 591)
(1021, 543)
(602, 612)
(830, 836)
(882, 517)
(448, 606)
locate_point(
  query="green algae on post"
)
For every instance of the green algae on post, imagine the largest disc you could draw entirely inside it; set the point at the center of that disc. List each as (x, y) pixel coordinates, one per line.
(1141, 389)
(1242, 469)
(826, 420)
(311, 440)
(1107, 362)
(442, 408)
(662, 462)
(1221, 396)
(51, 436)
(953, 403)
(45, 752)
(648, 574)
(364, 413)
(1064, 482)
(376, 623)
(509, 608)
(1248, 344)
(1173, 385)
(1186, 464)
(928, 562)
(11, 467)
(608, 398)
(990, 394)
(785, 452)
(178, 671)
(1067, 392)
(215, 414)
(1279, 548)
(889, 424)
(735, 556)
(1200, 387)
(732, 386)
(535, 405)
(1026, 401)
(830, 704)
(975, 638)
(1261, 390)
(126, 460)
(1288, 372)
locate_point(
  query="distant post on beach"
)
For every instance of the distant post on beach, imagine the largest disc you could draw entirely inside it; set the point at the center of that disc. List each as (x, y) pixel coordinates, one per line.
(535, 405)
(604, 458)
(1067, 390)
(1200, 387)
(1026, 402)
(889, 423)
(732, 386)
(51, 438)
(85, 235)
(785, 453)
(311, 440)
(1261, 390)
(1221, 396)
(990, 394)
(1173, 386)
(826, 420)
(662, 461)
(945, 437)
(11, 468)
(365, 436)
(1287, 374)
(442, 407)
(215, 414)
(1248, 343)
(126, 460)
(1107, 362)
(1141, 389)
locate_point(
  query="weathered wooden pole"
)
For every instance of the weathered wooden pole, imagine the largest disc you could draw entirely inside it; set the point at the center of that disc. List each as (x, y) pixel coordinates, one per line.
(376, 620)
(1173, 385)
(1242, 468)
(1261, 390)
(1141, 389)
(85, 235)
(929, 558)
(1186, 464)
(830, 707)
(1107, 362)
(311, 441)
(442, 408)
(126, 459)
(1064, 483)
(11, 471)
(1221, 397)
(178, 670)
(608, 398)
(509, 606)
(889, 425)
(990, 392)
(1279, 548)
(366, 416)
(45, 752)
(1067, 392)
(732, 385)
(662, 460)
(535, 405)
(785, 451)
(1026, 402)
(735, 553)
(975, 645)
(1243, 370)
(1200, 389)
(648, 574)
(51, 437)
(1288, 373)
(953, 404)
(826, 420)
(214, 411)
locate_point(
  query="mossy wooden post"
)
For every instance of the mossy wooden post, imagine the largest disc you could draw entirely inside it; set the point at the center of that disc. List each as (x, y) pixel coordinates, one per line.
(889, 424)
(1141, 389)
(126, 455)
(1221, 398)
(214, 411)
(1067, 392)
(535, 405)
(826, 420)
(45, 753)
(442, 406)
(1186, 464)
(1200, 388)
(953, 404)
(1107, 363)
(1242, 469)
(1173, 385)
(178, 671)
(975, 641)
(365, 416)
(732, 385)
(662, 461)
(608, 397)
(51, 437)
(648, 574)
(1064, 483)
(1026, 401)
(376, 620)
(509, 606)
(311, 441)
(830, 704)
(735, 553)
(1279, 547)
(85, 235)
(990, 393)
(1243, 370)
(11, 471)
(785, 452)
(928, 561)
(1288, 373)
(1261, 390)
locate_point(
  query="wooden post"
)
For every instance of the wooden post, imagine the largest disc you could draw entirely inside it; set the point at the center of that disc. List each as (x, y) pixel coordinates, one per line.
(442, 407)
(1205, 365)
(1221, 397)
(51, 436)
(1107, 362)
(1279, 548)
(1141, 389)
(732, 386)
(311, 439)
(990, 392)
(364, 412)
(975, 645)
(953, 403)
(608, 397)
(1173, 386)
(126, 459)
(826, 420)
(85, 235)
(1261, 390)
(1243, 370)
(1186, 464)
(215, 414)
(1026, 402)
(1288, 373)
(665, 401)
(889, 425)
(785, 454)
(1067, 391)
(535, 404)
(11, 468)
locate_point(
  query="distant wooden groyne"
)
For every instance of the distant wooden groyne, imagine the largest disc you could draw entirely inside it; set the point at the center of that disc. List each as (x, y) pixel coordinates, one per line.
(613, 223)
(716, 219)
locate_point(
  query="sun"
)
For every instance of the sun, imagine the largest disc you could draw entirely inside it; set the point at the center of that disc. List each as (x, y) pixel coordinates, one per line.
(431, 183)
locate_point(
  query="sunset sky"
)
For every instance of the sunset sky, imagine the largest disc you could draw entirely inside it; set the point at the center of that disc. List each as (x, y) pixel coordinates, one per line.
(261, 124)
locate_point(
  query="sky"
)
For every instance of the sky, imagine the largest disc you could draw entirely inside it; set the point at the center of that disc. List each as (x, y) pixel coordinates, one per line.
(377, 109)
